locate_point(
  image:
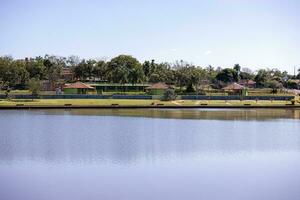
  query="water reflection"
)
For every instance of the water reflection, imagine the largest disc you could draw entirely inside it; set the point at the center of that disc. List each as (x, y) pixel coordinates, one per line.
(215, 114)
(72, 137)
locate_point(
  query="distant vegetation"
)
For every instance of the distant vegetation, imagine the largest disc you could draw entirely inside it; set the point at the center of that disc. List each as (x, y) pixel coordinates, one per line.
(24, 73)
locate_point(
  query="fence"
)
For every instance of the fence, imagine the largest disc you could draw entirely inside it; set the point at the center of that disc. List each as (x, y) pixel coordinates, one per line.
(78, 96)
(236, 97)
(184, 97)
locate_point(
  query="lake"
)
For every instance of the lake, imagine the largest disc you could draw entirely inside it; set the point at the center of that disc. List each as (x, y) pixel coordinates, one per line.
(150, 154)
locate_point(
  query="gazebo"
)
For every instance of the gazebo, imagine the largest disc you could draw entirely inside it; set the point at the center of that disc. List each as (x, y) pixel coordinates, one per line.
(78, 88)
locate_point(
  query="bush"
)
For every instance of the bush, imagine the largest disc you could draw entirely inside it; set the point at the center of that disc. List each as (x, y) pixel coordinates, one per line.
(190, 89)
(169, 95)
(34, 86)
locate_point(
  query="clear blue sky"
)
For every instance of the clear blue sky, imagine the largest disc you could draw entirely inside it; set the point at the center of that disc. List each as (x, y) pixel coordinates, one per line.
(254, 33)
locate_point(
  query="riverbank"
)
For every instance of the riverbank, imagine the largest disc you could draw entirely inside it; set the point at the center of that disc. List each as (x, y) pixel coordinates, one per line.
(125, 103)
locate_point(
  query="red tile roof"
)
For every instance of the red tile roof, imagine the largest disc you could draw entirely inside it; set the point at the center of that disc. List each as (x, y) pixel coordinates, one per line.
(161, 86)
(247, 82)
(79, 85)
(233, 86)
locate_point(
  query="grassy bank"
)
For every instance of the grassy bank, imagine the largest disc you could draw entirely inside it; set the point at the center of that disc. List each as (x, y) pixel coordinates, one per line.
(140, 103)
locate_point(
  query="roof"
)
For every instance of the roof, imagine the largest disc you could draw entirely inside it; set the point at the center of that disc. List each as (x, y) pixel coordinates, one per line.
(248, 82)
(79, 85)
(233, 86)
(120, 85)
(161, 86)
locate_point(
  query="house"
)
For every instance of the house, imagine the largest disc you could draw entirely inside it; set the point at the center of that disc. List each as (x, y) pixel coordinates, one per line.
(235, 89)
(78, 88)
(248, 83)
(119, 88)
(158, 88)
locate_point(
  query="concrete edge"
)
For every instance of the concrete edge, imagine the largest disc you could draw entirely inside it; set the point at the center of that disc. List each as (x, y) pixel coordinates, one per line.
(24, 107)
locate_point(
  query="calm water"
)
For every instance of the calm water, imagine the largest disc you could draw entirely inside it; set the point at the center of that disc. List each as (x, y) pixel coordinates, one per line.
(150, 154)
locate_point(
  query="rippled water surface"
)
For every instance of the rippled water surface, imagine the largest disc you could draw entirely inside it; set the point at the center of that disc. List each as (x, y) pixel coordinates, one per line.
(150, 154)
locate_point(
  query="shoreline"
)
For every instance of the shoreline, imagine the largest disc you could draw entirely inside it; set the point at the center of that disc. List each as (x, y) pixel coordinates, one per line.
(142, 104)
(27, 107)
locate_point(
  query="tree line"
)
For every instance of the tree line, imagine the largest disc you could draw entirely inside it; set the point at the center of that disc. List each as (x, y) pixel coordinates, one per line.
(18, 73)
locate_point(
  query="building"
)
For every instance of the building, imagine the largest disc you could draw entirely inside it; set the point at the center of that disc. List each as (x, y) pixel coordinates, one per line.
(236, 89)
(117, 87)
(158, 88)
(248, 83)
(79, 88)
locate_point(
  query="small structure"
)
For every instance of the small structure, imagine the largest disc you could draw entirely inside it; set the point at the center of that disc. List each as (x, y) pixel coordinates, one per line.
(158, 88)
(248, 83)
(236, 88)
(119, 88)
(78, 88)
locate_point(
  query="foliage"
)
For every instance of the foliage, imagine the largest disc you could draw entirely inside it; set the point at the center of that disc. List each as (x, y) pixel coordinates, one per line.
(169, 95)
(190, 89)
(291, 84)
(227, 75)
(34, 85)
(127, 69)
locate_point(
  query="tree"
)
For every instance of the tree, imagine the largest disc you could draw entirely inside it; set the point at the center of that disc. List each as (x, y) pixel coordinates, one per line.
(135, 75)
(275, 85)
(34, 85)
(237, 68)
(227, 75)
(35, 68)
(53, 67)
(100, 70)
(198, 76)
(165, 72)
(5, 63)
(12, 72)
(154, 78)
(80, 70)
(246, 70)
(73, 61)
(211, 73)
(146, 68)
(246, 76)
(261, 77)
(124, 69)
(182, 74)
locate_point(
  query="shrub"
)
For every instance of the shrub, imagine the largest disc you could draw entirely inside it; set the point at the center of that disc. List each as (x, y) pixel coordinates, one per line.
(169, 95)
(34, 86)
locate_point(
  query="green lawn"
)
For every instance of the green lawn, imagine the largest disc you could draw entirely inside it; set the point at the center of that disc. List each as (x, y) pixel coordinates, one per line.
(123, 102)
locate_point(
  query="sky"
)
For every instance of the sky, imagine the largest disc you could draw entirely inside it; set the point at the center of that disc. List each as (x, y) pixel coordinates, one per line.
(254, 33)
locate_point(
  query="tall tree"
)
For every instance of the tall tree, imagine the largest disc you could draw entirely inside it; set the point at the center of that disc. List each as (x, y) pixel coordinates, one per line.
(124, 69)
(53, 67)
(227, 75)
(35, 67)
